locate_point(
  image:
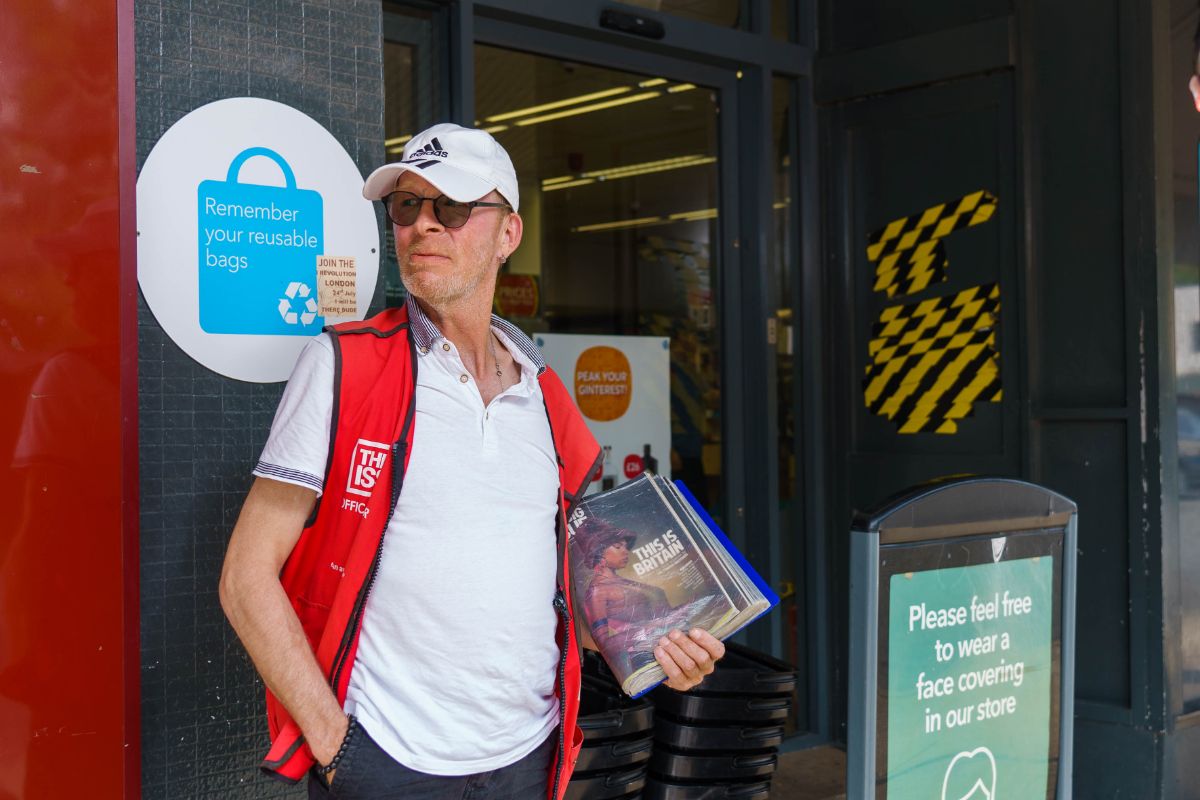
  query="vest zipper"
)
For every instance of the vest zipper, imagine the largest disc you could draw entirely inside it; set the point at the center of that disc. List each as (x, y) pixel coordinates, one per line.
(560, 604)
(398, 453)
(360, 606)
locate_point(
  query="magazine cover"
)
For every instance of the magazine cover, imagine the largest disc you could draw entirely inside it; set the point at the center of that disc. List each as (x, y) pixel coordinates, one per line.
(643, 564)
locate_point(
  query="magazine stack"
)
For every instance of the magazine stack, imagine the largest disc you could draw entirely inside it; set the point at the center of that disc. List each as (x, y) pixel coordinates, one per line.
(647, 559)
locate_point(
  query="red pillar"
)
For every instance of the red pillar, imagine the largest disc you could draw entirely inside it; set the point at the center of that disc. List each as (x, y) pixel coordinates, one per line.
(68, 407)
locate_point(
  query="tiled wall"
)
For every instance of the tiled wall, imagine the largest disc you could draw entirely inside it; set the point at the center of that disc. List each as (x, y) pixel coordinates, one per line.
(203, 724)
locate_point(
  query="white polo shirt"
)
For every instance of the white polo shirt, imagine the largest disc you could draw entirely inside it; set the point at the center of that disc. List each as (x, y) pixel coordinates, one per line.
(456, 661)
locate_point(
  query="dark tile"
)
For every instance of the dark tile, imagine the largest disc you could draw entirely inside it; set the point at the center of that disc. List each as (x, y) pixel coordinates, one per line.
(177, 15)
(289, 22)
(233, 18)
(314, 25)
(263, 14)
(147, 11)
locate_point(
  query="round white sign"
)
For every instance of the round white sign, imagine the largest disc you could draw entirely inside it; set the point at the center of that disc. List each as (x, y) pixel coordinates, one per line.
(252, 235)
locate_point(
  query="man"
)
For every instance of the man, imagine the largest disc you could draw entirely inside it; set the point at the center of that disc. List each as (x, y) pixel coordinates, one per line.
(397, 570)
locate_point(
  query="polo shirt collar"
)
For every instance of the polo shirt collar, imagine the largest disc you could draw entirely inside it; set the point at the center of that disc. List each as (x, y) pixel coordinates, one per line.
(425, 334)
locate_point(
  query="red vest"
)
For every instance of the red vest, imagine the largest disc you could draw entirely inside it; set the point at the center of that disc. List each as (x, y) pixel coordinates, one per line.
(330, 571)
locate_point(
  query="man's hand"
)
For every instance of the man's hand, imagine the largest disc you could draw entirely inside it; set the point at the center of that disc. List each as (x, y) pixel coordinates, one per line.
(687, 659)
(325, 746)
(1194, 88)
(325, 749)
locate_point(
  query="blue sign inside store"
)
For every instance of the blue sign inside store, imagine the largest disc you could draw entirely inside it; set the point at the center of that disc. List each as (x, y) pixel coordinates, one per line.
(258, 248)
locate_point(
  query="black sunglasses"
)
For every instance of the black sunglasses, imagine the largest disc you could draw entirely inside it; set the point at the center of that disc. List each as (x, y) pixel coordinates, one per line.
(403, 208)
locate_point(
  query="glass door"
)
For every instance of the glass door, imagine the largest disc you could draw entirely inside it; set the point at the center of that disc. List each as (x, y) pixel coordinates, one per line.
(621, 195)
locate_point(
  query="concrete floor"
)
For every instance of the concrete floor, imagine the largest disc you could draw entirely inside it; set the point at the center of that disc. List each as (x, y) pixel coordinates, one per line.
(818, 773)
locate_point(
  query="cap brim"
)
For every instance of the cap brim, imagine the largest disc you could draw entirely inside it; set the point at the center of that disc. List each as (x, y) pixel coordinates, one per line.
(454, 183)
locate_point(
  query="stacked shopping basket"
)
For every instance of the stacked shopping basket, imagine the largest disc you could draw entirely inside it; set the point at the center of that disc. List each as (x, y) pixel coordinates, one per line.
(618, 738)
(719, 741)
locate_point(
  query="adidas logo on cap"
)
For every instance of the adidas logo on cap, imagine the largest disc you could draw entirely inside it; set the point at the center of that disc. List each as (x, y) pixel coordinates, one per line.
(432, 149)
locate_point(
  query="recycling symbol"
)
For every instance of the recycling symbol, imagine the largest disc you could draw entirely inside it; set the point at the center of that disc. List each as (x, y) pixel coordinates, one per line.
(308, 314)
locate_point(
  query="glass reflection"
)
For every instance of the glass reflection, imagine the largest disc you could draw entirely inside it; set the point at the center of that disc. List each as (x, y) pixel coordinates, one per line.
(61, 436)
(781, 19)
(784, 269)
(618, 182)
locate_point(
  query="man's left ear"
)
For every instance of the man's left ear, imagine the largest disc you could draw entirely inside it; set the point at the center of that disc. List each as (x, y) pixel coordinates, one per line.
(514, 227)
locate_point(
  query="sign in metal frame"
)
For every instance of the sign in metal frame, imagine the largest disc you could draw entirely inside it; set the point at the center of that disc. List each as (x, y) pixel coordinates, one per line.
(962, 632)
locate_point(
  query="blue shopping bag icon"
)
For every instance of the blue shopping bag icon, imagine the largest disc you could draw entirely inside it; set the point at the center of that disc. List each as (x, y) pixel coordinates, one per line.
(258, 248)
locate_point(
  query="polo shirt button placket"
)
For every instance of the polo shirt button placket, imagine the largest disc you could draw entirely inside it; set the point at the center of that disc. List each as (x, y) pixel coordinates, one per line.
(463, 378)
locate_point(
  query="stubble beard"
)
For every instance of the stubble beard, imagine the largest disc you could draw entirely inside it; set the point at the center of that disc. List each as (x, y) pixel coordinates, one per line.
(440, 291)
(456, 282)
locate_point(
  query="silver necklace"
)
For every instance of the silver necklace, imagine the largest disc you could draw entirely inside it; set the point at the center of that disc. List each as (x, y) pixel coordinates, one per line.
(495, 358)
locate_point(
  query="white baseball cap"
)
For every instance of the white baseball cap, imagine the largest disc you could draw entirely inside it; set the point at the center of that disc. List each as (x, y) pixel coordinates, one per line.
(463, 163)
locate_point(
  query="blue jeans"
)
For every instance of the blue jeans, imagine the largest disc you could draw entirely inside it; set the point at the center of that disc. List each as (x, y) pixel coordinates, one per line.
(368, 773)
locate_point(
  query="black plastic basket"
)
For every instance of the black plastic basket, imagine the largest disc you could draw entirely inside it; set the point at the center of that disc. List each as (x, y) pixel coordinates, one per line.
(720, 738)
(614, 755)
(595, 666)
(747, 671)
(713, 766)
(605, 712)
(660, 789)
(606, 785)
(721, 708)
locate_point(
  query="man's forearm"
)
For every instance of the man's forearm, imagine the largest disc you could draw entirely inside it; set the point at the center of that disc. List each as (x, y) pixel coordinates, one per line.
(264, 620)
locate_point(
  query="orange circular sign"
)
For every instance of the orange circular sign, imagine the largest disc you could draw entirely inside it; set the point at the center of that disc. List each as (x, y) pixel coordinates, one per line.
(603, 383)
(517, 296)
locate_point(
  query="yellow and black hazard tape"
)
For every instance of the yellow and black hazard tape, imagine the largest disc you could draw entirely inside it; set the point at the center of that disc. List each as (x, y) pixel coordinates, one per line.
(932, 361)
(908, 252)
